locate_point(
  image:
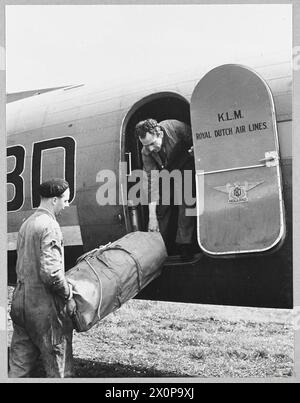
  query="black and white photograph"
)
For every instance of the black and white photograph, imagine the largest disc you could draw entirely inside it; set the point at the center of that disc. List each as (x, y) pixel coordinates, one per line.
(149, 193)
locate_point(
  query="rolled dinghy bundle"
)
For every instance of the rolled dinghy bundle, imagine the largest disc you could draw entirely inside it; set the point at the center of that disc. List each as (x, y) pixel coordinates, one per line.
(107, 277)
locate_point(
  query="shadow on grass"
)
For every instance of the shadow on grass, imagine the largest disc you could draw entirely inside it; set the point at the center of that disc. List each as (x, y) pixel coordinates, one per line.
(93, 369)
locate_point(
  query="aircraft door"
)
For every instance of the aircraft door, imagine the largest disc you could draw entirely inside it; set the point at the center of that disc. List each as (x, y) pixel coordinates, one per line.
(239, 192)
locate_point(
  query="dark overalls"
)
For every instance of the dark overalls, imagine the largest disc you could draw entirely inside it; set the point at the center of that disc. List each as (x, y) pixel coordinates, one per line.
(42, 328)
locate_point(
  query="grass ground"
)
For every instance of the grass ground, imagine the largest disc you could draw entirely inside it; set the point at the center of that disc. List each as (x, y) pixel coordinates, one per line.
(159, 339)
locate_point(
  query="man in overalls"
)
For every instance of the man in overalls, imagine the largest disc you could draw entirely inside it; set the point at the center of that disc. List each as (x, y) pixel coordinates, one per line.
(167, 145)
(42, 302)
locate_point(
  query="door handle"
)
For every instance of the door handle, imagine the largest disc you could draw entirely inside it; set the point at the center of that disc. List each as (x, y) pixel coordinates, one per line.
(271, 159)
(129, 165)
(120, 218)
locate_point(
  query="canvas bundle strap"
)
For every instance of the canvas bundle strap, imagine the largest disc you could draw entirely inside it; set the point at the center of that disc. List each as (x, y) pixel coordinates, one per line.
(103, 260)
(86, 255)
(99, 255)
(133, 257)
(100, 283)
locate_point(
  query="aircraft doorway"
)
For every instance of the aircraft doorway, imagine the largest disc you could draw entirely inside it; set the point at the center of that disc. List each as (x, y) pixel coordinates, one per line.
(159, 107)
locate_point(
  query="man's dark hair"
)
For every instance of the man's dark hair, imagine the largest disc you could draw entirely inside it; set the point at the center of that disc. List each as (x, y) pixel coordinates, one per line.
(53, 188)
(144, 127)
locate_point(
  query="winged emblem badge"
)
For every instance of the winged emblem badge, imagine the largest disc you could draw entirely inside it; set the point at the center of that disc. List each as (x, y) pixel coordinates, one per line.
(237, 192)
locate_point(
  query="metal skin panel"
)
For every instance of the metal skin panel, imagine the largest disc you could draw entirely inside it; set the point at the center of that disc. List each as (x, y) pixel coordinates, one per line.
(234, 130)
(246, 226)
(94, 152)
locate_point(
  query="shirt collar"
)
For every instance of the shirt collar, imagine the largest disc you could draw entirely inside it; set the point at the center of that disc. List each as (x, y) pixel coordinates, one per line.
(48, 211)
